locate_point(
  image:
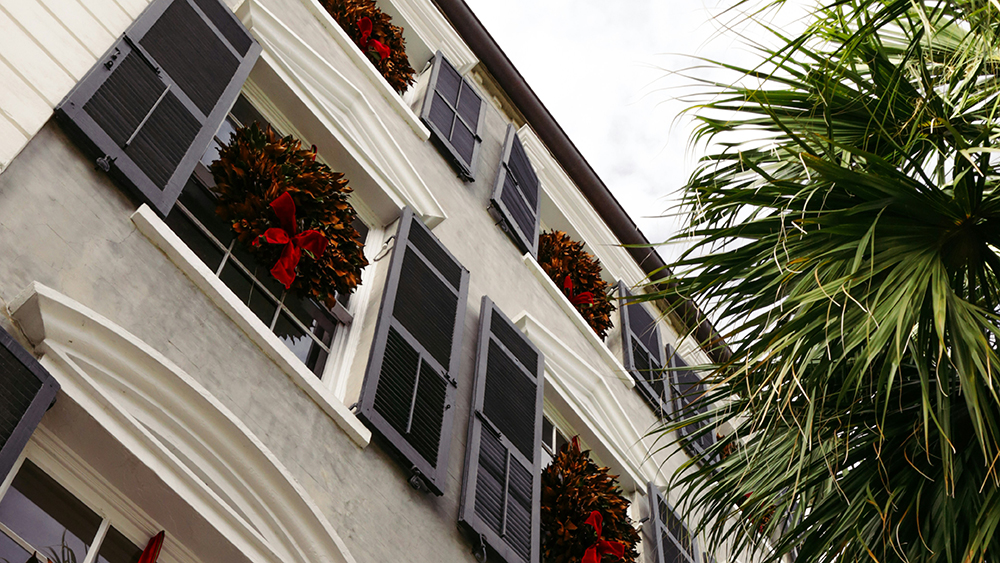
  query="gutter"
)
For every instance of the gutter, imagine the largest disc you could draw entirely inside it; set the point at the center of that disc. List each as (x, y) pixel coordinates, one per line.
(577, 167)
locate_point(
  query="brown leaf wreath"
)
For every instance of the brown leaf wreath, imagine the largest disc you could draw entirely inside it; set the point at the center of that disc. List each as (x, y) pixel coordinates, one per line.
(373, 32)
(573, 486)
(561, 256)
(252, 175)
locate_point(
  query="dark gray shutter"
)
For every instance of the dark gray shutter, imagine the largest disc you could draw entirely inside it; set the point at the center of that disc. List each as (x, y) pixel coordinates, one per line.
(516, 194)
(642, 351)
(410, 382)
(26, 392)
(686, 390)
(150, 106)
(669, 537)
(453, 110)
(501, 486)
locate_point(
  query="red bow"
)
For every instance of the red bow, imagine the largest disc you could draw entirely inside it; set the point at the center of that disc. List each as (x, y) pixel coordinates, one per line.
(585, 297)
(152, 550)
(601, 546)
(365, 25)
(311, 241)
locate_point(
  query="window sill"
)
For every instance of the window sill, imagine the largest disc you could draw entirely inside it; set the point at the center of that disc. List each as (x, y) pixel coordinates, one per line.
(150, 225)
(577, 319)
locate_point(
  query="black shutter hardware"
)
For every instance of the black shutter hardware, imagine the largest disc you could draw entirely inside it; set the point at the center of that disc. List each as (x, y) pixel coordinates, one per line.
(516, 194)
(27, 390)
(410, 382)
(150, 106)
(669, 537)
(641, 351)
(501, 486)
(454, 112)
(686, 388)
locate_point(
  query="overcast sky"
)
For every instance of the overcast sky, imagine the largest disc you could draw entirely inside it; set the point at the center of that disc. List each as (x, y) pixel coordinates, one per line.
(603, 70)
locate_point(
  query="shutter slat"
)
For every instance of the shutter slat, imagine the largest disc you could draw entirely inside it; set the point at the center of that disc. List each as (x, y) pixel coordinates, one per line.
(203, 54)
(502, 480)
(453, 110)
(27, 390)
(515, 194)
(408, 392)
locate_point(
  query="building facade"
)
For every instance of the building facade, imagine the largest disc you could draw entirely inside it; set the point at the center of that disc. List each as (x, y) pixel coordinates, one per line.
(160, 379)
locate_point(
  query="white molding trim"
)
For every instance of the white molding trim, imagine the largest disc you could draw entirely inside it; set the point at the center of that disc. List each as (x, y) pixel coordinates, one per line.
(436, 32)
(585, 399)
(342, 108)
(185, 259)
(564, 207)
(177, 429)
(574, 315)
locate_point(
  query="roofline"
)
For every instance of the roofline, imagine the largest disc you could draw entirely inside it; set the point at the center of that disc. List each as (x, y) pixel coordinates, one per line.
(590, 184)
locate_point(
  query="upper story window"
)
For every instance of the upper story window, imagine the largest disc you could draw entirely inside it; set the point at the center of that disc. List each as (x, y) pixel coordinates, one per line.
(306, 326)
(552, 441)
(39, 518)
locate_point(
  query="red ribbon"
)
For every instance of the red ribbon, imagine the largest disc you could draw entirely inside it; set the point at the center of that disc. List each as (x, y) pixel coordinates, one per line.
(365, 25)
(152, 550)
(601, 546)
(311, 241)
(585, 297)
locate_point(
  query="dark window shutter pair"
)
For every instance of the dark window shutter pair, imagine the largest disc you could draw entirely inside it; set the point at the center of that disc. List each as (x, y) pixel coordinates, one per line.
(642, 351)
(501, 486)
(26, 392)
(687, 391)
(669, 537)
(410, 382)
(150, 106)
(516, 194)
(454, 111)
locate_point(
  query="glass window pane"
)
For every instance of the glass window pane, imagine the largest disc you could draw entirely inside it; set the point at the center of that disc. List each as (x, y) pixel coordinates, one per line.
(116, 548)
(224, 134)
(11, 552)
(201, 204)
(300, 343)
(260, 271)
(47, 516)
(245, 289)
(547, 429)
(246, 114)
(195, 238)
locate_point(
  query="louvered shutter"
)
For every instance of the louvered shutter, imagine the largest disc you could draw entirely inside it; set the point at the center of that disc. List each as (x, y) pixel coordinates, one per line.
(501, 486)
(150, 106)
(516, 194)
(668, 536)
(410, 382)
(686, 389)
(642, 351)
(26, 392)
(453, 110)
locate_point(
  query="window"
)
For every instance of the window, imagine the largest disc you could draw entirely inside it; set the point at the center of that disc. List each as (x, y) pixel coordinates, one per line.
(552, 441)
(669, 537)
(304, 325)
(454, 111)
(686, 390)
(642, 352)
(151, 104)
(411, 380)
(40, 518)
(501, 486)
(515, 195)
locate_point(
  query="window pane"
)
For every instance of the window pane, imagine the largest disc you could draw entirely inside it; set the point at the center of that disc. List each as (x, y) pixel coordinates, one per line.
(547, 430)
(11, 552)
(260, 271)
(247, 292)
(224, 133)
(246, 114)
(201, 204)
(297, 341)
(195, 238)
(116, 548)
(47, 516)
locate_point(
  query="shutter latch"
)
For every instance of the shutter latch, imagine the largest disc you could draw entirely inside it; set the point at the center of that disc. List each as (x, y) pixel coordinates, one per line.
(114, 56)
(451, 380)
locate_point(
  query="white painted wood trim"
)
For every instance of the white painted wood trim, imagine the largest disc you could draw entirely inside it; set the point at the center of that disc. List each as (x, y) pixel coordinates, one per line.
(589, 335)
(167, 241)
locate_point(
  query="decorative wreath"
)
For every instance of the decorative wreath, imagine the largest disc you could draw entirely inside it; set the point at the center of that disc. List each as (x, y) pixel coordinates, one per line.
(290, 211)
(584, 514)
(372, 30)
(579, 275)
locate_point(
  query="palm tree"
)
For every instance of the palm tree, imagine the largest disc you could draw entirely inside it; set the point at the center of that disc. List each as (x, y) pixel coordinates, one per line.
(847, 228)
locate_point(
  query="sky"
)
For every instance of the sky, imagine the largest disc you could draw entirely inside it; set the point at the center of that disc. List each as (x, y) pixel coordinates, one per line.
(608, 73)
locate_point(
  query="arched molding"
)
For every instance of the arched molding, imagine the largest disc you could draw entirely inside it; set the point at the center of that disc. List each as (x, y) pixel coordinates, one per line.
(177, 431)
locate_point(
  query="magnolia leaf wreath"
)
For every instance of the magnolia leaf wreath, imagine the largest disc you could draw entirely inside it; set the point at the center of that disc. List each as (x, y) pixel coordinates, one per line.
(578, 274)
(373, 32)
(290, 211)
(584, 513)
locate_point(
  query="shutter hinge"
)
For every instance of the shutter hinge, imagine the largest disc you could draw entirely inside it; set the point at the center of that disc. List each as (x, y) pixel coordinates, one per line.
(479, 551)
(451, 380)
(489, 424)
(418, 481)
(142, 53)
